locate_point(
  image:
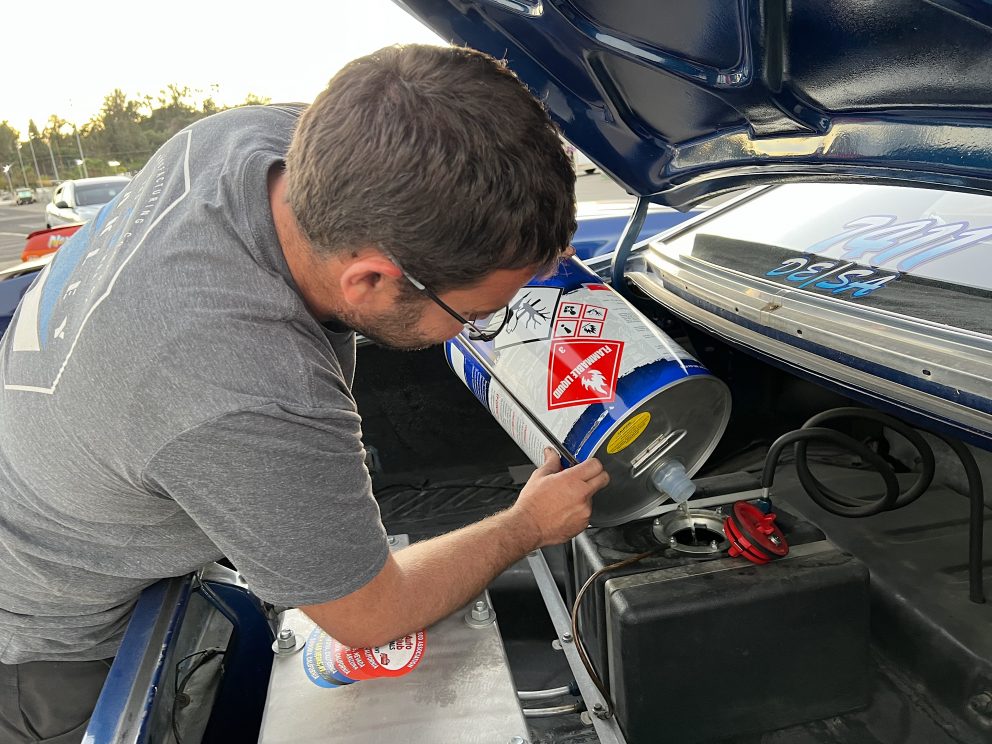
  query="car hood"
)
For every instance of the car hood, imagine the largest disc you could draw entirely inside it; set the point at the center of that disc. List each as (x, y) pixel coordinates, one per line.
(685, 100)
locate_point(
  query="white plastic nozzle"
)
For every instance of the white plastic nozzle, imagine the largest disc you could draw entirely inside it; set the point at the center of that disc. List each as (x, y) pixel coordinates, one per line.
(671, 478)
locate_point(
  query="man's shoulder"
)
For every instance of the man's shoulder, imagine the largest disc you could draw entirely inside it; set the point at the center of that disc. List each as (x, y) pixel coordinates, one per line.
(242, 357)
(242, 116)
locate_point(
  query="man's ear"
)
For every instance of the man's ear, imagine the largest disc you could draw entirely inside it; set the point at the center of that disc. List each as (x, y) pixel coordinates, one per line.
(369, 278)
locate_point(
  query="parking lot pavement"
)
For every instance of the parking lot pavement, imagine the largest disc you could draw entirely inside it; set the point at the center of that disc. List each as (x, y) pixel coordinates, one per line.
(15, 224)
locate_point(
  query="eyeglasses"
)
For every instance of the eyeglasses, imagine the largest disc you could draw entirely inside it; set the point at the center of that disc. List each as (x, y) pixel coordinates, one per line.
(484, 328)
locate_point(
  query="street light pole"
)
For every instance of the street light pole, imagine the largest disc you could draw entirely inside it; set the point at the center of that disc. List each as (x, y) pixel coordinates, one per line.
(81, 156)
(52, 156)
(23, 171)
(37, 170)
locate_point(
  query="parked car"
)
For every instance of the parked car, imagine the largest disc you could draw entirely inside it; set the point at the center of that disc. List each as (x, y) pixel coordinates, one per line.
(79, 200)
(49, 240)
(24, 196)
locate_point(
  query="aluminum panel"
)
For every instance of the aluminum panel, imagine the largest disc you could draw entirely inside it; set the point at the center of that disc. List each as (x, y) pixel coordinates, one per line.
(462, 691)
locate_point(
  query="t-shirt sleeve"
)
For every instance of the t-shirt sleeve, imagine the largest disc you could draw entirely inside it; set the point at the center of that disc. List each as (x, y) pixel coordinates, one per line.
(284, 493)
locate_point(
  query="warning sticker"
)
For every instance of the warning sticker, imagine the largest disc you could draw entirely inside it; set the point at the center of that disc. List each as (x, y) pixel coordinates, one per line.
(583, 372)
(570, 310)
(590, 329)
(628, 433)
(531, 316)
(566, 328)
(594, 312)
(329, 663)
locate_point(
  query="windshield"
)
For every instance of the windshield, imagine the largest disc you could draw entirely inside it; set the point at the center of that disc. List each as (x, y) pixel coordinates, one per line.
(91, 195)
(24, 192)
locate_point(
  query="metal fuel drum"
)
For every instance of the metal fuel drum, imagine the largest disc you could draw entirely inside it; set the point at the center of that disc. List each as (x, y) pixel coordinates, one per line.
(579, 369)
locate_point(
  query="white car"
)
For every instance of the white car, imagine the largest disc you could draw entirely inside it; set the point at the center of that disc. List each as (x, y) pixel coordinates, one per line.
(80, 200)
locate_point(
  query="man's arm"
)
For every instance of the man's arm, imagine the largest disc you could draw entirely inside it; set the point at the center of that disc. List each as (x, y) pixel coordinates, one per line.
(429, 580)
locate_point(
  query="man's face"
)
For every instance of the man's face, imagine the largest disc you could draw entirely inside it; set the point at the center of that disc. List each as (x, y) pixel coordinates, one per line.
(414, 321)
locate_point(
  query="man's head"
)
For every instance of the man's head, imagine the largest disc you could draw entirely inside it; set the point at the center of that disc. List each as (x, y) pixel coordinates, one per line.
(439, 159)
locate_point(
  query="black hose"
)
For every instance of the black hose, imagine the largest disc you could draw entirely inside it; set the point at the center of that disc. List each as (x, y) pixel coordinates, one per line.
(891, 498)
(976, 520)
(919, 443)
(833, 502)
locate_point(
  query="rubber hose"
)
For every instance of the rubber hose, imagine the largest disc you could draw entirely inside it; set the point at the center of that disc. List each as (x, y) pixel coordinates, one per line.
(830, 500)
(976, 520)
(846, 506)
(928, 463)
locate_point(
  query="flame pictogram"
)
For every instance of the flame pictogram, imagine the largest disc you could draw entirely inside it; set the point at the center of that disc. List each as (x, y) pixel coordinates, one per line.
(594, 380)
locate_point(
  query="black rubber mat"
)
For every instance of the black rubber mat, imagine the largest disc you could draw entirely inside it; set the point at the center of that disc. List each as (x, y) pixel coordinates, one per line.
(425, 509)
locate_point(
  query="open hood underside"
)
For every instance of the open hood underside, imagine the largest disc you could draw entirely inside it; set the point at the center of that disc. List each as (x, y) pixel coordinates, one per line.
(685, 100)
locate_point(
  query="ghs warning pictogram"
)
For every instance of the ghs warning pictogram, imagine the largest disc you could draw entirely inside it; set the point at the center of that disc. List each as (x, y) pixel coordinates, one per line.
(582, 372)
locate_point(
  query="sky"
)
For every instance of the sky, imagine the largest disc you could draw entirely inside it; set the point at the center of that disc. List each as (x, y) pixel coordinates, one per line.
(74, 57)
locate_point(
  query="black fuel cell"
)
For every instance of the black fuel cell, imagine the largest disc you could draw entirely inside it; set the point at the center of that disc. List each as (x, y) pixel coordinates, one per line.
(699, 652)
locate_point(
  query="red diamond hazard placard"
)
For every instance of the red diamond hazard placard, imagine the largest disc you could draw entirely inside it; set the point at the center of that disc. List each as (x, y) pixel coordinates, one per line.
(583, 372)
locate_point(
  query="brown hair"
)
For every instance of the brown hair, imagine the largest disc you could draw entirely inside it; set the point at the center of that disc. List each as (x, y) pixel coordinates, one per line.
(440, 157)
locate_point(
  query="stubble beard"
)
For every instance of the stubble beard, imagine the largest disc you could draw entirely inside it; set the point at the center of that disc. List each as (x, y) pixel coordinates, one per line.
(395, 329)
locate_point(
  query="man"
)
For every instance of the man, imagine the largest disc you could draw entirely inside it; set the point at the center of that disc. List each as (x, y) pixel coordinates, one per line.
(185, 364)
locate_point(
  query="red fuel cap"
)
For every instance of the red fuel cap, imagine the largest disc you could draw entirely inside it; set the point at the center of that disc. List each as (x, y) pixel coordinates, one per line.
(754, 534)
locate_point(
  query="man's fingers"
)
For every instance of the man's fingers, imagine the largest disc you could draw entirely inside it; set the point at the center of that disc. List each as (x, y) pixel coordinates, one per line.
(599, 482)
(552, 462)
(588, 469)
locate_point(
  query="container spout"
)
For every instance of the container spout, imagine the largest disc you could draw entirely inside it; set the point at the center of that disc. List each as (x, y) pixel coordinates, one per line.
(670, 478)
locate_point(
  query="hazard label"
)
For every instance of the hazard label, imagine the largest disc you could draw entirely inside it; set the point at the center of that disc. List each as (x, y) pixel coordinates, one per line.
(582, 372)
(570, 310)
(566, 328)
(594, 312)
(531, 317)
(590, 329)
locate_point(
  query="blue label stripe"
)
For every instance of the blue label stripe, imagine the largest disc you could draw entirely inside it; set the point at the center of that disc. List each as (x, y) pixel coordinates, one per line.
(632, 390)
(476, 377)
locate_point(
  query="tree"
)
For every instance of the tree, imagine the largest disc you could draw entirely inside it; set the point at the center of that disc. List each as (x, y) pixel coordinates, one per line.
(127, 130)
(175, 111)
(8, 143)
(54, 135)
(116, 134)
(253, 99)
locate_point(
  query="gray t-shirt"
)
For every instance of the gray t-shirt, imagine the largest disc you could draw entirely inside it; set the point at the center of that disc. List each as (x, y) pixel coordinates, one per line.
(167, 399)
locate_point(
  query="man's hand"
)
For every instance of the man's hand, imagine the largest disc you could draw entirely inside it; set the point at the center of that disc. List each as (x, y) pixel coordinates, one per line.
(555, 504)
(431, 579)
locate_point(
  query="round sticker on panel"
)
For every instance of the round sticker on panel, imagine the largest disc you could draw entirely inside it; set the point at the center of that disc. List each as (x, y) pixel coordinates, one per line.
(318, 660)
(626, 434)
(329, 663)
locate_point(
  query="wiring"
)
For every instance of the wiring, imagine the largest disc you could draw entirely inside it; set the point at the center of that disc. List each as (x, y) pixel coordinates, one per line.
(179, 689)
(576, 636)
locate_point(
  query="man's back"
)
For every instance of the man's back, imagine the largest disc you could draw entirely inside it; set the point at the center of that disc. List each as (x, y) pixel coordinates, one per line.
(167, 325)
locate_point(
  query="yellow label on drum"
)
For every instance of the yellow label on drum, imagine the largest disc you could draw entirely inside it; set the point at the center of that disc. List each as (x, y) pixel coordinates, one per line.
(628, 433)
